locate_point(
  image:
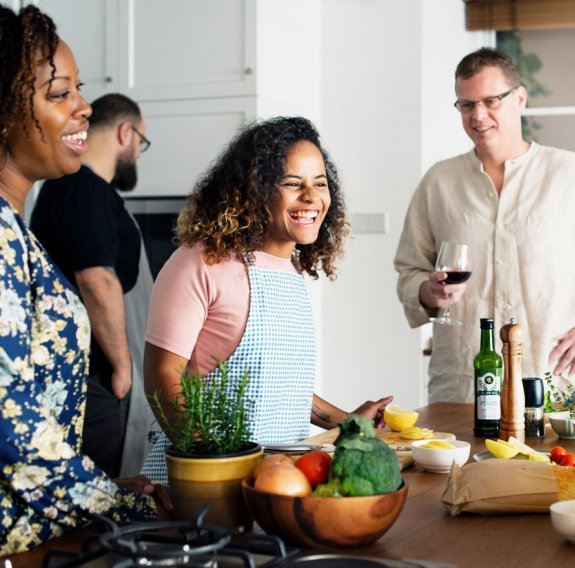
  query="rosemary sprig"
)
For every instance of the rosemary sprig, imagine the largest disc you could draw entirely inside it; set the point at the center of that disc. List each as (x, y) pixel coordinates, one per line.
(208, 416)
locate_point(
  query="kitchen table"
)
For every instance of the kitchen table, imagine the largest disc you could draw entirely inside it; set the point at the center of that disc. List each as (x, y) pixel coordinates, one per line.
(425, 531)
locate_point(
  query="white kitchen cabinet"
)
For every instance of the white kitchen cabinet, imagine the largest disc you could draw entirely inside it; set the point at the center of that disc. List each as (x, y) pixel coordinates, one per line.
(179, 49)
(186, 136)
(198, 69)
(182, 49)
(90, 28)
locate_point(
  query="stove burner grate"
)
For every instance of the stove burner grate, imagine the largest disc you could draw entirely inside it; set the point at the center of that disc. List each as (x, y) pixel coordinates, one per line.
(171, 543)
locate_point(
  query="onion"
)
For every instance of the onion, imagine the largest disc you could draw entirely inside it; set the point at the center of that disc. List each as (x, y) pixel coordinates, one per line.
(283, 479)
(272, 460)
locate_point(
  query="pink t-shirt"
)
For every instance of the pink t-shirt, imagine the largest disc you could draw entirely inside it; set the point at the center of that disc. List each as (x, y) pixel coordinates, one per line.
(199, 311)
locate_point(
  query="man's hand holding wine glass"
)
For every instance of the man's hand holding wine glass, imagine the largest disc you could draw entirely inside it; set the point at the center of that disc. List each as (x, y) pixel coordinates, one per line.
(446, 285)
(434, 293)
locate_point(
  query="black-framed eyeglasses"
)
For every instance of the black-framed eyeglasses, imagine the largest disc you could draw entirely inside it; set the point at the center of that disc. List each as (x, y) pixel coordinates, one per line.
(144, 142)
(490, 103)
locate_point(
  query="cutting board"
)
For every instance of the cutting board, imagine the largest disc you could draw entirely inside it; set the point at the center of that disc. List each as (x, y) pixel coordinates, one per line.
(392, 439)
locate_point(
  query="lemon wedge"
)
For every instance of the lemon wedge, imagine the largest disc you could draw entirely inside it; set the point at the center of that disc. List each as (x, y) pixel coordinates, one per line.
(416, 433)
(501, 449)
(538, 456)
(437, 445)
(525, 449)
(398, 418)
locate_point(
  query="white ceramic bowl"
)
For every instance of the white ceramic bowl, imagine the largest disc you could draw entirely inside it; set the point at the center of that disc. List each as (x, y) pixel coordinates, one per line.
(563, 518)
(439, 460)
(562, 425)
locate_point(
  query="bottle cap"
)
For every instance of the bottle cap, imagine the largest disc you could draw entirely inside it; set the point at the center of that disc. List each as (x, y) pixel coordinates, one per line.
(486, 323)
(534, 391)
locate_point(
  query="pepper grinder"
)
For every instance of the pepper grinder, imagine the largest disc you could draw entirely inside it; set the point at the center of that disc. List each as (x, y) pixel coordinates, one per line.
(512, 395)
(534, 398)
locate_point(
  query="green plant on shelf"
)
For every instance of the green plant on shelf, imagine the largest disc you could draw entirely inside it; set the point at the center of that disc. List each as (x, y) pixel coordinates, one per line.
(208, 416)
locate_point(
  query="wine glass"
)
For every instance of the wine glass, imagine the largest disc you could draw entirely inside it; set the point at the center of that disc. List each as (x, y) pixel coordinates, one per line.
(453, 258)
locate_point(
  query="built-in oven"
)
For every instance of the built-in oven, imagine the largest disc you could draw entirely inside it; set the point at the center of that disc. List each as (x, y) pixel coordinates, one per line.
(156, 217)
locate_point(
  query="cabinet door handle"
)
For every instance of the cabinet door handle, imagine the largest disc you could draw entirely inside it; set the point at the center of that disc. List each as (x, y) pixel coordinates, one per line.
(248, 71)
(108, 79)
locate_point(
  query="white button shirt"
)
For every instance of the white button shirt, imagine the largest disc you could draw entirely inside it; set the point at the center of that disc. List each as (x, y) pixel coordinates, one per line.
(522, 246)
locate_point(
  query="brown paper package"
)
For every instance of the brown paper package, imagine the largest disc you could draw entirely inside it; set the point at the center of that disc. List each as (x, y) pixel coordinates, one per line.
(507, 486)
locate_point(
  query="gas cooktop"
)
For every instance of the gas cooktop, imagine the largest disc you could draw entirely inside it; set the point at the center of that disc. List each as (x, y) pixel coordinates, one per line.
(195, 544)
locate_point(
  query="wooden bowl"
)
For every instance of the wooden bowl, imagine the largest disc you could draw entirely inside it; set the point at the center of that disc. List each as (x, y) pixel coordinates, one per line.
(324, 522)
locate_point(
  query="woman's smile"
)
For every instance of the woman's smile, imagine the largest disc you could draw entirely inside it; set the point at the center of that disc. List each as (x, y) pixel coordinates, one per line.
(76, 141)
(301, 201)
(305, 217)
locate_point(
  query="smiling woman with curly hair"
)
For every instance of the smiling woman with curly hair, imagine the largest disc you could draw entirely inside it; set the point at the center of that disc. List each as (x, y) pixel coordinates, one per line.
(269, 209)
(230, 209)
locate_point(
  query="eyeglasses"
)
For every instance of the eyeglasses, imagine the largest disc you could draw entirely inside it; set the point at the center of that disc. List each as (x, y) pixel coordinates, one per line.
(144, 142)
(490, 103)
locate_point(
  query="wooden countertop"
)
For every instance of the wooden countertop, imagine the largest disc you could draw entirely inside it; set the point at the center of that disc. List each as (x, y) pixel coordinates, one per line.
(425, 531)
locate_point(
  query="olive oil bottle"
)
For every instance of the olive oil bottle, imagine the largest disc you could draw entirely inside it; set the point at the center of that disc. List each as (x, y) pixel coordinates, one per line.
(488, 367)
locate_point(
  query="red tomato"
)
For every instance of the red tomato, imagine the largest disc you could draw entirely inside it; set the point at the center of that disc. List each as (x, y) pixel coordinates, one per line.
(315, 466)
(568, 459)
(556, 454)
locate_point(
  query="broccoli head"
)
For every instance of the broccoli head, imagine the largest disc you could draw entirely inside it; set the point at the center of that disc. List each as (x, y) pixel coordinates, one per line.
(362, 464)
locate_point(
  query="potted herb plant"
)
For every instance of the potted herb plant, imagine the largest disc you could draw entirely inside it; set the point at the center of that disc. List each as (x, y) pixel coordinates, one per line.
(558, 399)
(211, 451)
(560, 408)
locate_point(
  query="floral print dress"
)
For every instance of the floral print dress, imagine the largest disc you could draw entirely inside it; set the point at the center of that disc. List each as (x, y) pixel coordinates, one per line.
(47, 487)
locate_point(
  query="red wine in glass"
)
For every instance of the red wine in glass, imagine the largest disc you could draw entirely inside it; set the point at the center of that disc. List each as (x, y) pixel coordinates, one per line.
(457, 277)
(453, 259)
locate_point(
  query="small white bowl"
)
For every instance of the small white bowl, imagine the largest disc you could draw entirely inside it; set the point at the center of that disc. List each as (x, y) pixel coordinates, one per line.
(563, 518)
(439, 460)
(563, 425)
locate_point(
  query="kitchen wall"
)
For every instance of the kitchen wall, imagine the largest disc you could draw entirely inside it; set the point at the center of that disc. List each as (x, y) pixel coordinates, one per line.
(377, 78)
(387, 115)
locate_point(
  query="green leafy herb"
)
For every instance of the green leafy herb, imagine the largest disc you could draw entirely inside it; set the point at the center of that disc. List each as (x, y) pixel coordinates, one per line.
(547, 403)
(208, 416)
(564, 397)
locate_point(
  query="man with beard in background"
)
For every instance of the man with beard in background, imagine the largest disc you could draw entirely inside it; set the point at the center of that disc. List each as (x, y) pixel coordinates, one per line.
(83, 223)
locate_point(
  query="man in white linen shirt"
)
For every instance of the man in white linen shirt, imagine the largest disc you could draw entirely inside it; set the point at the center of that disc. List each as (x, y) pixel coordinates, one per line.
(513, 202)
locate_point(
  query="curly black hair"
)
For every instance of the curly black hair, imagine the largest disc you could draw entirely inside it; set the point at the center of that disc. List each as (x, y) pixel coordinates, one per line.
(229, 209)
(23, 38)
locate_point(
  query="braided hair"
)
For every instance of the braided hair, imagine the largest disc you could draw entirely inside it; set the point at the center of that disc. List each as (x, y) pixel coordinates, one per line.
(24, 39)
(229, 209)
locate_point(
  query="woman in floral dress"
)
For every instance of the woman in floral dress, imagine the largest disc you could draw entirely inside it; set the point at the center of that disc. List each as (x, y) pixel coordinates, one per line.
(46, 486)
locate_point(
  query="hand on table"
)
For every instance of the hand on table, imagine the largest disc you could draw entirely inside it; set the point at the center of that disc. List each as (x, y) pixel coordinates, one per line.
(562, 356)
(158, 492)
(374, 410)
(433, 293)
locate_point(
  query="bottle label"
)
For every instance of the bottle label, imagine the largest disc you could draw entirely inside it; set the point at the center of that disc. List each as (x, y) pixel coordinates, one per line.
(488, 397)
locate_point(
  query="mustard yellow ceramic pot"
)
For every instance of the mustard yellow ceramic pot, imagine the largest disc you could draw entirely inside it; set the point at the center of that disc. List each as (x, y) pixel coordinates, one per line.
(216, 479)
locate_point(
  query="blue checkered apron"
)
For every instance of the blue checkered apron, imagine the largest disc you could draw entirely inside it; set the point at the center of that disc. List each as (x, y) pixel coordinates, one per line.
(278, 346)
